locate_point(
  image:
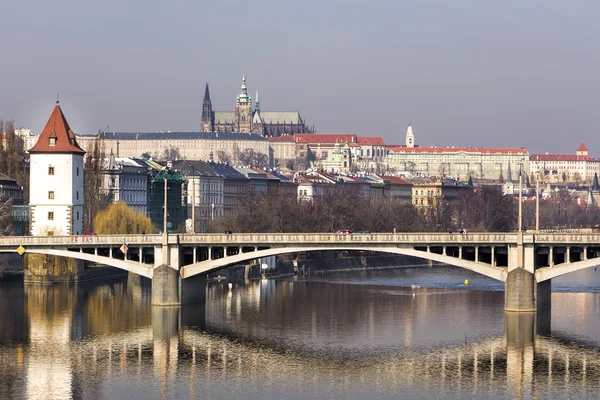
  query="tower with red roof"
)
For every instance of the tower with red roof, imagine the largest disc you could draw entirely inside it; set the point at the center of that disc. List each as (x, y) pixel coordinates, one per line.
(56, 180)
(582, 150)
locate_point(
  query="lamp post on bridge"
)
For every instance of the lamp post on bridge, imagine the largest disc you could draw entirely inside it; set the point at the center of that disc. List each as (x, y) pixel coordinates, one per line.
(165, 237)
(193, 199)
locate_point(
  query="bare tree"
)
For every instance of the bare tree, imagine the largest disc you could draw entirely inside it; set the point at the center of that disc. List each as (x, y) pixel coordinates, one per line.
(222, 156)
(94, 201)
(5, 217)
(252, 158)
(171, 153)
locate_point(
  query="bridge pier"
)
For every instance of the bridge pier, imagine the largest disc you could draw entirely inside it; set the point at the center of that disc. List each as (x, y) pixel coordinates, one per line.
(523, 294)
(166, 286)
(169, 289)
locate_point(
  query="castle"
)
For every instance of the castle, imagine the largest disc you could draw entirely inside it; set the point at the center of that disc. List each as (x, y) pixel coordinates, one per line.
(246, 119)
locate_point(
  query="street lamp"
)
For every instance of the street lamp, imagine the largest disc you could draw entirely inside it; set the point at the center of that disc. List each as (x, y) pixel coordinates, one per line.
(193, 198)
(165, 238)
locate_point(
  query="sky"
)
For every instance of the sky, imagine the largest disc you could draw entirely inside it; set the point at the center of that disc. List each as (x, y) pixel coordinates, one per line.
(512, 73)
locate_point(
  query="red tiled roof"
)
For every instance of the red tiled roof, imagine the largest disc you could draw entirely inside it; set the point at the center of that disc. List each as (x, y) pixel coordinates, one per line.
(482, 150)
(394, 179)
(371, 140)
(325, 138)
(57, 127)
(282, 138)
(582, 147)
(560, 157)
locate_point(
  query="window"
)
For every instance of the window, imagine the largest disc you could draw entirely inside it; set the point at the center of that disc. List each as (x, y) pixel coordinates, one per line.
(50, 170)
(77, 171)
(52, 141)
(77, 195)
(77, 215)
(50, 215)
(51, 195)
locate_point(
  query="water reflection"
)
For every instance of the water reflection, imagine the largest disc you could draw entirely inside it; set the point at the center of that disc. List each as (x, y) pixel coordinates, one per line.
(272, 339)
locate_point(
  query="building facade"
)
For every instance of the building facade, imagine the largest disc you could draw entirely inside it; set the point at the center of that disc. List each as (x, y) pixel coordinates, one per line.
(223, 146)
(56, 180)
(338, 161)
(205, 193)
(247, 118)
(126, 180)
(579, 167)
(457, 162)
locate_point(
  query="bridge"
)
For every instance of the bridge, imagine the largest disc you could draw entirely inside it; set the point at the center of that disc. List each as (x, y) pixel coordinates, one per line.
(525, 262)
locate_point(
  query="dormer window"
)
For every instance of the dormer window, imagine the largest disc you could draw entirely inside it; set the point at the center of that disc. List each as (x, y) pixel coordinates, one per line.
(52, 141)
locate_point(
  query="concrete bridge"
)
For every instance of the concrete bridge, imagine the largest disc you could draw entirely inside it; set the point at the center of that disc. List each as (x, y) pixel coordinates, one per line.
(526, 262)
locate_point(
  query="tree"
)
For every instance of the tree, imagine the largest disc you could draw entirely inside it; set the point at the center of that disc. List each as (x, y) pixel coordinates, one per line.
(13, 159)
(94, 200)
(5, 217)
(171, 153)
(223, 157)
(252, 158)
(146, 155)
(119, 218)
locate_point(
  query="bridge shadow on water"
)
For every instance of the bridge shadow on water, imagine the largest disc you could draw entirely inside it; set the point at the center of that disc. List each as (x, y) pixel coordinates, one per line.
(285, 335)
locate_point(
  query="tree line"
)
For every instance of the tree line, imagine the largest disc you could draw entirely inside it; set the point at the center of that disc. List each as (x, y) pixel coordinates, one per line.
(484, 209)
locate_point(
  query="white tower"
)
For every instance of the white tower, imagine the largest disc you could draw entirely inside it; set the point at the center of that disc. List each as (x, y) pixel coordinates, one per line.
(410, 137)
(56, 180)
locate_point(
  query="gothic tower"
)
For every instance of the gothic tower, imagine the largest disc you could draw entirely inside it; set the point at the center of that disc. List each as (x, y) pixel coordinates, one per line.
(207, 114)
(410, 137)
(257, 123)
(243, 110)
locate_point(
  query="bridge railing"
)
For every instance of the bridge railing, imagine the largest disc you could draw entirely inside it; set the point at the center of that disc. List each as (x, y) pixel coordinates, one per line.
(266, 239)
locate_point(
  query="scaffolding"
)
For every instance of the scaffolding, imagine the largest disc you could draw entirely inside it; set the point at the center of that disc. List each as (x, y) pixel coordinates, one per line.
(176, 200)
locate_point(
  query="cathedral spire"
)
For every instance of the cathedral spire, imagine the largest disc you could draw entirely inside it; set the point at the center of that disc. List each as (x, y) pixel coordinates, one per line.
(243, 96)
(206, 93)
(207, 114)
(256, 102)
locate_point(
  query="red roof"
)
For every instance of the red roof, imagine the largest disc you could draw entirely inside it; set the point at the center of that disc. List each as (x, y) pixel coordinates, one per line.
(371, 140)
(560, 157)
(394, 179)
(325, 138)
(58, 128)
(582, 147)
(481, 150)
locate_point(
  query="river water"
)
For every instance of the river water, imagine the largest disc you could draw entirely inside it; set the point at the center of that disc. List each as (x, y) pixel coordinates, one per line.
(352, 335)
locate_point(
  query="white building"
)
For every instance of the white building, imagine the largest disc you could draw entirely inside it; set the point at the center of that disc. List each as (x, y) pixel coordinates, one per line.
(56, 180)
(457, 162)
(205, 192)
(578, 167)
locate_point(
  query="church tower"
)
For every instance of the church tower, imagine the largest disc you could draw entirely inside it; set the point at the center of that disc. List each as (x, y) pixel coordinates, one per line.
(257, 122)
(410, 137)
(207, 114)
(582, 150)
(243, 110)
(56, 180)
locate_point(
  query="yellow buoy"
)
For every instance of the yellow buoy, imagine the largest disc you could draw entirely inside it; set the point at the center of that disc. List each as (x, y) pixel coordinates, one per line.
(466, 281)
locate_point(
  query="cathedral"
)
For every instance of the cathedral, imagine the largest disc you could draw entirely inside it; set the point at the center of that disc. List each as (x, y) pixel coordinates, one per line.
(248, 119)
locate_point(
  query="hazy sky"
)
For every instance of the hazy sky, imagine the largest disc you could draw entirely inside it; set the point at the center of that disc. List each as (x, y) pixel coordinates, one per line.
(462, 72)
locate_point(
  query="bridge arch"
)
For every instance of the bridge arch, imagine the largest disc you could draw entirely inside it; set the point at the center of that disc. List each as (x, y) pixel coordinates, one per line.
(130, 266)
(546, 273)
(207, 266)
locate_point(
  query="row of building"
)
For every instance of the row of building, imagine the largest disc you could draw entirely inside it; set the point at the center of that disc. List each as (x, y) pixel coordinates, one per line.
(349, 153)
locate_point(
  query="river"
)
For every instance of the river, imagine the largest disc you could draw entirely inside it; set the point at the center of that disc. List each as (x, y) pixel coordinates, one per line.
(398, 333)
